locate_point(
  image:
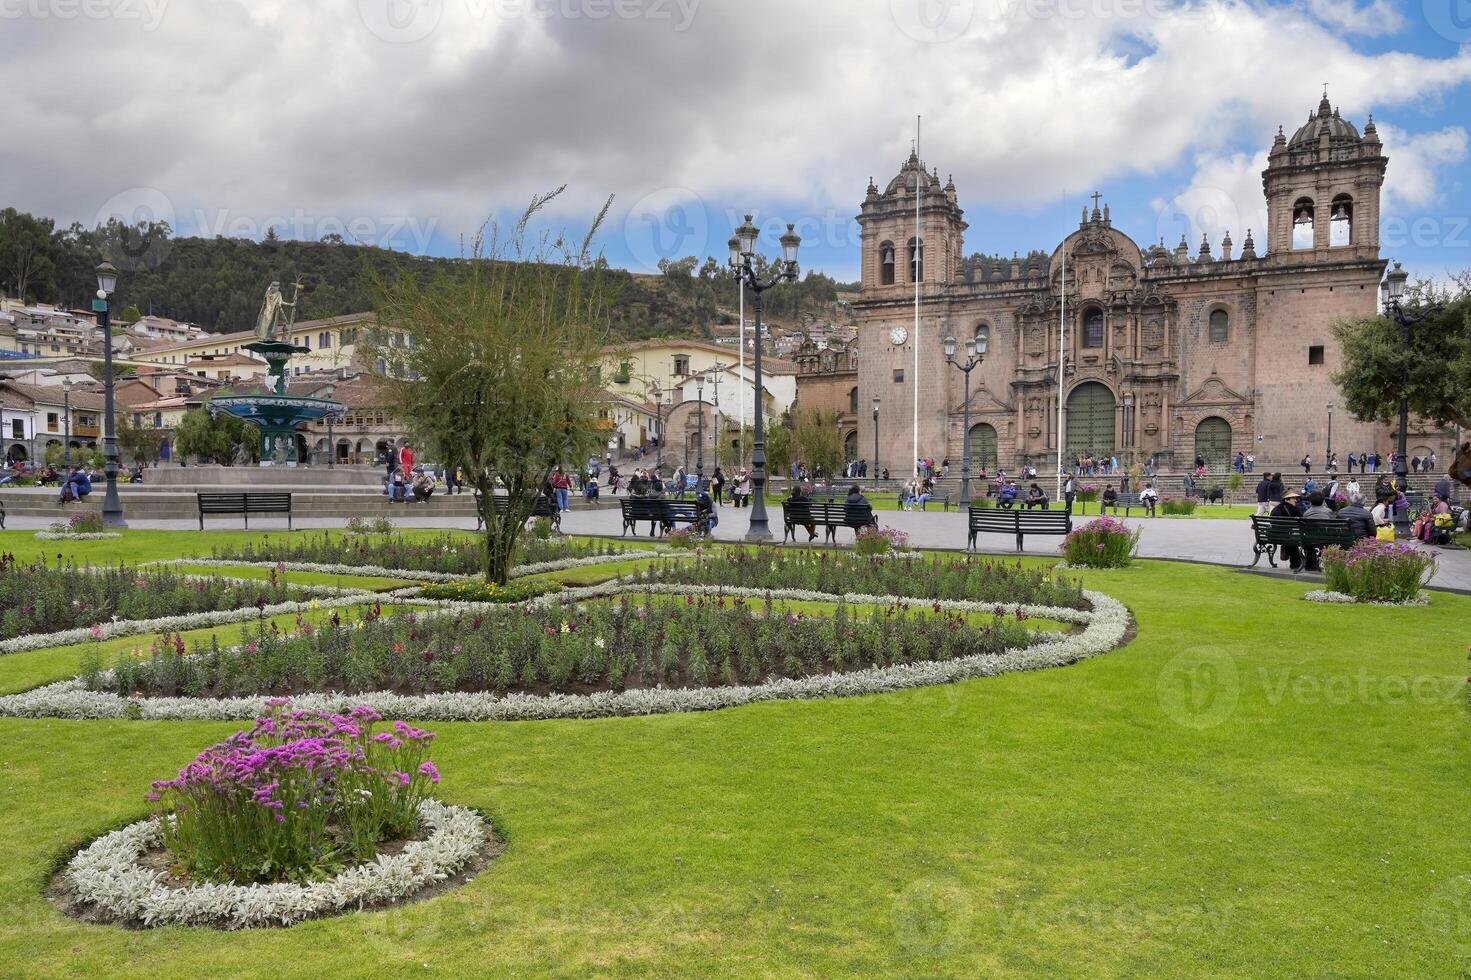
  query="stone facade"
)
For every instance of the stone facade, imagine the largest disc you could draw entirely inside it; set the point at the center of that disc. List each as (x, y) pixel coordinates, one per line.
(1165, 353)
(827, 382)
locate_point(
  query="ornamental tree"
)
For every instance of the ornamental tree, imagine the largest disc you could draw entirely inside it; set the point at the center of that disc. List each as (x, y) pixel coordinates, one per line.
(1438, 359)
(494, 368)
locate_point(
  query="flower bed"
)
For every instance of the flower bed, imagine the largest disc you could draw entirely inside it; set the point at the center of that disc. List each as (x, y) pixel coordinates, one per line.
(633, 642)
(1176, 506)
(967, 577)
(40, 598)
(880, 541)
(443, 555)
(1378, 571)
(1104, 627)
(479, 590)
(254, 824)
(78, 527)
(1106, 542)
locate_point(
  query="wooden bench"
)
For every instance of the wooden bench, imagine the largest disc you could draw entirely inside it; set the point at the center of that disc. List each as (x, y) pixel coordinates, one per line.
(829, 516)
(1271, 534)
(1018, 522)
(659, 512)
(1128, 501)
(244, 504)
(541, 506)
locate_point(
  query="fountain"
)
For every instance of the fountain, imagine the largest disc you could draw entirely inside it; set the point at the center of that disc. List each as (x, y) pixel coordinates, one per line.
(276, 414)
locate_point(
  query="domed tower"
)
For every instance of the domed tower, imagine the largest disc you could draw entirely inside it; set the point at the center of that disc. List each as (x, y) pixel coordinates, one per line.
(892, 259)
(1322, 189)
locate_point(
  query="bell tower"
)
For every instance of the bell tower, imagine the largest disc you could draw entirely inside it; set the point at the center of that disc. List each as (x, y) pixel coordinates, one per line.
(892, 260)
(1322, 188)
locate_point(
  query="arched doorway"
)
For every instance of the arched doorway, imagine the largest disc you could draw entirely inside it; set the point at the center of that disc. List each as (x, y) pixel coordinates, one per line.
(1213, 441)
(983, 447)
(1090, 411)
(850, 446)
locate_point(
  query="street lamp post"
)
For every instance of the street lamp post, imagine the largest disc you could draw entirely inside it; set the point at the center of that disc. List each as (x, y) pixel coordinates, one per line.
(700, 446)
(742, 246)
(875, 443)
(332, 442)
(112, 507)
(1329, 453)
(713, 376)
(975, 354)
(66, 411)
(654, 392)
(1394, 289)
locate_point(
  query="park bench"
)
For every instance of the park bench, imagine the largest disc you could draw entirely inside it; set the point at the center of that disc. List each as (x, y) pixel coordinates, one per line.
(1018, 522)
(1271, 534)
(2, 515)
(660, 513)
(828, 516)
(244, 504)
(541, 506)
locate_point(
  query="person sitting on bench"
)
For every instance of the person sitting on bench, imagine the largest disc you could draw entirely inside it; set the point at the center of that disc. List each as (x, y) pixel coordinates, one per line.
(855, 496)
(705, 516)
(1007, 497)
(1149, 499)
(1110, 499)
(423, 487)
(1036, 497)
(798, 495)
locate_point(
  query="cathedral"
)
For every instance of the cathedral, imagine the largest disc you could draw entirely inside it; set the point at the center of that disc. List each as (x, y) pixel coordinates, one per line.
(1166, 354)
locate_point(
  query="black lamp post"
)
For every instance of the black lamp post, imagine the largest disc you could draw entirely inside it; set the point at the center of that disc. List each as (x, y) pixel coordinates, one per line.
(1394, 288)
(975, 354)
(1327, 458)
(332, 442)
(742, 246)
(112, 507)
(700, 447)
(66, 411)
(875, 443)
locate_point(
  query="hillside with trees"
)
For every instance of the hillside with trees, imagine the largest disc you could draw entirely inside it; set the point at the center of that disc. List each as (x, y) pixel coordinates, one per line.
(217, 282)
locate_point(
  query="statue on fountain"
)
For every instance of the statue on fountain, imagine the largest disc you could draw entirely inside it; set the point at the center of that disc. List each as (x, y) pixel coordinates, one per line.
(273, 332)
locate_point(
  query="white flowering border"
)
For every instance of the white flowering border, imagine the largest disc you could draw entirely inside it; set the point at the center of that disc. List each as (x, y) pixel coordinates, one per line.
(107, 874)
(83, 536)
(200, 620)
(412, 575)
(1105, 626)
(1342, 598)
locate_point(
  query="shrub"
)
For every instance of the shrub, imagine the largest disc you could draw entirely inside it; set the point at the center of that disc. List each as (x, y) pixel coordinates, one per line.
(1103, 543)
(1235, 481)
(541, 528)
(684, 538)
(1177, 507)
(479, 590)
(445, 553)
(1088, 492)
(375, 525)
(880, 540)
(297, 797)
(78, 524)
(626, 642)
(1378, 571)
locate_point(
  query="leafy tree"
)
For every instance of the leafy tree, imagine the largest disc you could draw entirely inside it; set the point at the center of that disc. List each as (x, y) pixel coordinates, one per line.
(215, 437)
(778, 447)
(496, 371)
(131, 314)
(1438, 360)
(27, 255)
(815, 441)
(137, 442)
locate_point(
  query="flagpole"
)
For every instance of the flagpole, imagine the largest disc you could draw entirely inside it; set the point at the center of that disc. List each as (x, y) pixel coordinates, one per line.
(915, 266)
(1061, 380)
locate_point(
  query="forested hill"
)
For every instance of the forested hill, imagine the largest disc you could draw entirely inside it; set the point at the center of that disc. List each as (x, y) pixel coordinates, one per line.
(218, 282)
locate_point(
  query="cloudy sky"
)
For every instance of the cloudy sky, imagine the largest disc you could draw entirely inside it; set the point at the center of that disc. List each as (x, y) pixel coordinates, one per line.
(410, 122)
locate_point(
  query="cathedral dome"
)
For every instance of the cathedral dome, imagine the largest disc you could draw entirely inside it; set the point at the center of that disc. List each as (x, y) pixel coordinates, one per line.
(1325, 120)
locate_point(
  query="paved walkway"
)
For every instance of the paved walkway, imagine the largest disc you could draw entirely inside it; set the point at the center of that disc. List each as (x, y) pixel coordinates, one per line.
(1215, 541)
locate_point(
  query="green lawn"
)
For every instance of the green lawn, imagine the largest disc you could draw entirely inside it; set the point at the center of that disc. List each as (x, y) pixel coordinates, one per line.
(1255, 786)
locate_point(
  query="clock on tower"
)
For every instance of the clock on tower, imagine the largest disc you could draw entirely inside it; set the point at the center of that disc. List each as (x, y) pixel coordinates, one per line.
(898, 336)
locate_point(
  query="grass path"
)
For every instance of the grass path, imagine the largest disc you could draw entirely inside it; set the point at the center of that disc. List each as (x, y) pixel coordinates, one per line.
(1256, 786)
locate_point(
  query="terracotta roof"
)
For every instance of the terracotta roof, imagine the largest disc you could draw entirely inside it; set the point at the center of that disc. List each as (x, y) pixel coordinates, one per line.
(53, 395)
(248, 335)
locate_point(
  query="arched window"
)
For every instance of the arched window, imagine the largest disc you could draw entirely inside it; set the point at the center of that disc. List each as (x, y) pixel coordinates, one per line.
(1341, 225)
(1220, 324)
(886, 264)
(1093, 328)
(1302, 223)
(916, 259)
(853, 401)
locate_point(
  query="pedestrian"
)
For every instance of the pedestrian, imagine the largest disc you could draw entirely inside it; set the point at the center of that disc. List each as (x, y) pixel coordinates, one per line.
(1069, 492)
(717, 484)
(1307, 463)
(1264, 495)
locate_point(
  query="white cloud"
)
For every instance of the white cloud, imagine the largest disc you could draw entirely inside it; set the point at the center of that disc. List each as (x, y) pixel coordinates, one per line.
(1373, 18)
(1416, 162)
(258, 110)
